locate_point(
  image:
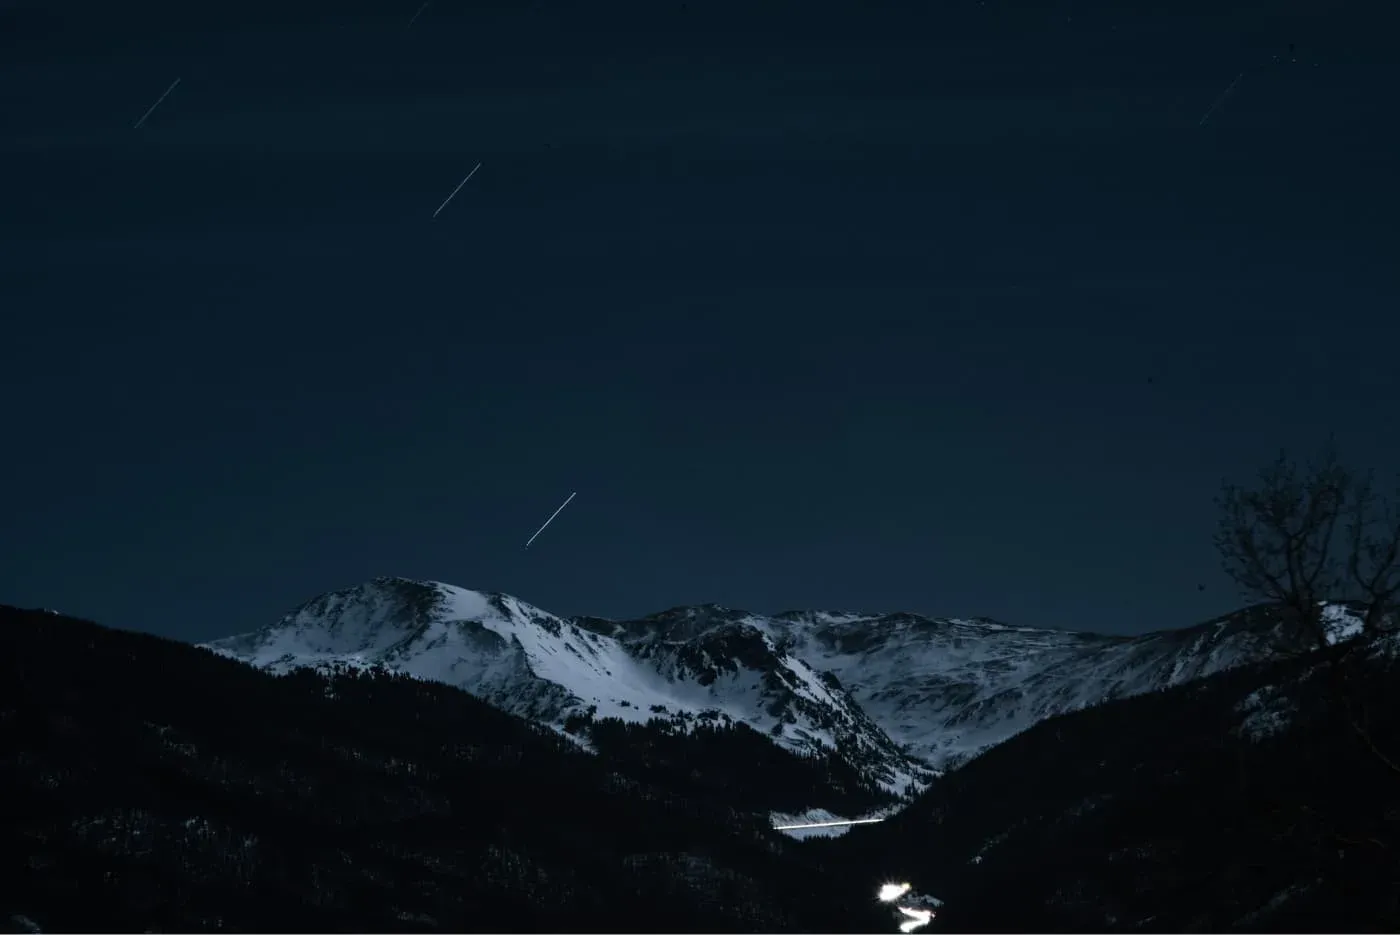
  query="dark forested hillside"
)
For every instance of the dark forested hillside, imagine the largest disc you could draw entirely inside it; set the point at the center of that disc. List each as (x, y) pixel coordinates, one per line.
(146, 785)
(1263, 799)
(735, 765)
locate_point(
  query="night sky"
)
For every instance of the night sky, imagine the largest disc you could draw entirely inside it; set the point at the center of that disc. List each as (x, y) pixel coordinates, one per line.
(950, 307)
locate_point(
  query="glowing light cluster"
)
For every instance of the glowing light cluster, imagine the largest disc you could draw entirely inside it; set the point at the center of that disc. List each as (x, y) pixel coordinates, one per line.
(892, 891)
(914, 918)
(918, 918)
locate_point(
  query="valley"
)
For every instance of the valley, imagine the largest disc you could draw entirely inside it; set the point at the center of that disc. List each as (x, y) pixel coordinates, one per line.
(410, 756)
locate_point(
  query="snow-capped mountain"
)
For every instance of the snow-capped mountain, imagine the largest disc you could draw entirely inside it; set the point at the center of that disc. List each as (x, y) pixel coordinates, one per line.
(946, 689)
(897, 695)
(534, 664)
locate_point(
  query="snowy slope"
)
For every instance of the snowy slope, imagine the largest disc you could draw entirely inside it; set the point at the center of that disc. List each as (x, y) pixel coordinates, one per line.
(894, 694)
(946, 689)
(540, 666)
(950, 688)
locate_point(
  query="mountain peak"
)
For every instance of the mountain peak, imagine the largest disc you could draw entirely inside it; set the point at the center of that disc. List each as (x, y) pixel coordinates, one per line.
(688, 665)
(897, 694)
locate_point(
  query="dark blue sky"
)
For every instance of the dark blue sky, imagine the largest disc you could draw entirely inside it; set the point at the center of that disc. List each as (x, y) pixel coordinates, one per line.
(944, 307)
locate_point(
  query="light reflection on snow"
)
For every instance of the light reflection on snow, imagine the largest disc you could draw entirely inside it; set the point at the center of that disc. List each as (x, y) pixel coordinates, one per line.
(828, 824)
(918, 918)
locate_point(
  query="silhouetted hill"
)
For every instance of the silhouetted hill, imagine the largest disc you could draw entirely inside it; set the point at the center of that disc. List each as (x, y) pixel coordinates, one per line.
(150, 785)
(1248, 801)
(734, 765)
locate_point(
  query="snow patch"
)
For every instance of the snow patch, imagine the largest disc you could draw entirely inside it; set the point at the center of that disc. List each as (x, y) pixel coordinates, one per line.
(1267, 712)
(810, 817)
(1340, 623)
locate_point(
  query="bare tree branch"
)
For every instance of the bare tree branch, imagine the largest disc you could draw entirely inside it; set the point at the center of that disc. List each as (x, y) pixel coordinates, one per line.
(1277, 539)
(1373, 562)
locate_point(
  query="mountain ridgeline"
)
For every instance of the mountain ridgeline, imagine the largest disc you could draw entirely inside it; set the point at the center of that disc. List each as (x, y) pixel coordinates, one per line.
(897, 697)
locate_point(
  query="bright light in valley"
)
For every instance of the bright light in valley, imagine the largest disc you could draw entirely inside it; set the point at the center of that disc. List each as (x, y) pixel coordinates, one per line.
(892, 891)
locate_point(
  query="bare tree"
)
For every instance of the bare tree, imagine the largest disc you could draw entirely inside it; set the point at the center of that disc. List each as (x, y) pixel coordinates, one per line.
(1278, 539)
(1305, 535)
(1373, 559)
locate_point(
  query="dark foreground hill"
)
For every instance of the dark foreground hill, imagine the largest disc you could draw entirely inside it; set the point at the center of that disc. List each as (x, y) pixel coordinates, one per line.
(1261, 799)
(147, 785)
